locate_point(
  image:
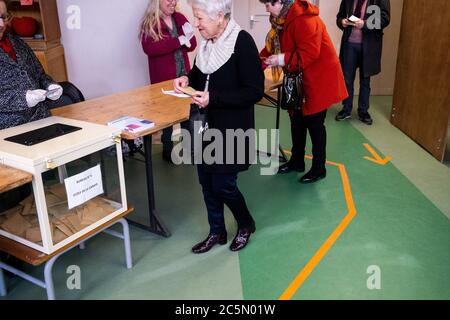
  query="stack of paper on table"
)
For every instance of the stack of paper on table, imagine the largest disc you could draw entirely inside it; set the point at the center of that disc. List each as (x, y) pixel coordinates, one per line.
(131, 124)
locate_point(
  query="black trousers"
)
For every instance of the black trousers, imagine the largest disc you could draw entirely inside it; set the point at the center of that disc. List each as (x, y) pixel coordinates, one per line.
(352, 61)
(315, 125)
(219, 190)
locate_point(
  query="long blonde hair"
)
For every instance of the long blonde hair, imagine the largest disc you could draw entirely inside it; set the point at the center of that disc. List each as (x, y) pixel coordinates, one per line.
(7, 4)
(151, 23)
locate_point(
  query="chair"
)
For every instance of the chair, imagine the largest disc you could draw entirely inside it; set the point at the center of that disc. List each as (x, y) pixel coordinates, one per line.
(71, 94)
(71, 91)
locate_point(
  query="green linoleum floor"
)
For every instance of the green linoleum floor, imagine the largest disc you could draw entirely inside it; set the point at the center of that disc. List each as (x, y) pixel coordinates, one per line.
(401, 226)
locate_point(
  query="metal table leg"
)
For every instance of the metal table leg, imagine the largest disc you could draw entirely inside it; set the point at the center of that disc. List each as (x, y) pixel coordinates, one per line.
(126, 242)
(48, 278)
(276, 104)
(2, 284)
(156, 225)
(125, 236)
(48, 268)
(277, 125)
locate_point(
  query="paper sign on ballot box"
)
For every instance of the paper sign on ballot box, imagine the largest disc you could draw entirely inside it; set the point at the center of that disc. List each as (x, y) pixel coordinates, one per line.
(84, 186)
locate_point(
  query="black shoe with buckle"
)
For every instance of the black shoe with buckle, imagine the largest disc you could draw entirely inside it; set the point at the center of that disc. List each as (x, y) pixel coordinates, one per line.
(291, 166)
(343, 115)
(210, 242)
(313, 176)
(365, 117)
(242, 238)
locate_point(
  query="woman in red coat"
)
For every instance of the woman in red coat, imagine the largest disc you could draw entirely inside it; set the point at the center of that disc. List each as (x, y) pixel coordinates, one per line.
(296, 26)
(166, 37)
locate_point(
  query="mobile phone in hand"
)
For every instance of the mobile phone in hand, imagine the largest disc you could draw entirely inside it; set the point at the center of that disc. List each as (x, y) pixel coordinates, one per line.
(353, 19)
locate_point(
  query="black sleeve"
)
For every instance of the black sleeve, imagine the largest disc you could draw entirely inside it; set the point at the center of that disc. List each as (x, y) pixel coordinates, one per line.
(341, 15)
(385, 8)
(251, 77)
(385, 13)
(194, 78)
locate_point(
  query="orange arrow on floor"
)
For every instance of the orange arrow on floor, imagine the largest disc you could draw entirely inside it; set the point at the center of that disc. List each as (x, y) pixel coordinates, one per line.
(376, 158)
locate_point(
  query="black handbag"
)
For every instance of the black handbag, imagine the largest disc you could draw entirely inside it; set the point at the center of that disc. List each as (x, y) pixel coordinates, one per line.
(196, 125)
(292, 91)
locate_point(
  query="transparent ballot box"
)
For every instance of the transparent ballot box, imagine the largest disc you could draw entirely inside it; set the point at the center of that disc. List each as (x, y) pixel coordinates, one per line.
(77, 181)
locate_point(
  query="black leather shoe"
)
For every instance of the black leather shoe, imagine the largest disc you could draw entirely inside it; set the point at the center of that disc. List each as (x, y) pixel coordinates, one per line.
(290, 166)
(242, 238)
(343, 115)
(366, 118)
(313, 176)
(167, 156)
(209, 242)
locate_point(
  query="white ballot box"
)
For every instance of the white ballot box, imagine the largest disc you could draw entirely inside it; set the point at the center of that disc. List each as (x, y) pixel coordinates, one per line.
(77, 181)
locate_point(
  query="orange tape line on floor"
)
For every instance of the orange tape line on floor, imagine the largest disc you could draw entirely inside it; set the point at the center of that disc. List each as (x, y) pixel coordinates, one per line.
(318, 256)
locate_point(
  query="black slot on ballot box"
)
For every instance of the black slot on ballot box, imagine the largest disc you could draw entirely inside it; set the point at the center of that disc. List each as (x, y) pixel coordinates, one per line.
(40, 135)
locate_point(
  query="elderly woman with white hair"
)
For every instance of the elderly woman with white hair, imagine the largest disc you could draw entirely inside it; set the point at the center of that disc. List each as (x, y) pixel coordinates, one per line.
(229, 80)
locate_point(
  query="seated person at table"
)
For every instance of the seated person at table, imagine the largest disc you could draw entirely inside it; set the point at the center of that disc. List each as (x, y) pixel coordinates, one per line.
(26, 92)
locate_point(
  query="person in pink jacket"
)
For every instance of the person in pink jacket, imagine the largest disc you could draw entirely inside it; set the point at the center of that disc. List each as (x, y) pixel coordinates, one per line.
(166, 37)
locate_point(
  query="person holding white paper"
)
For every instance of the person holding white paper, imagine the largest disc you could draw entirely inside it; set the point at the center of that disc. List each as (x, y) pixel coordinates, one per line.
(229, 80)
(166, 37)
(26, 90)
(300, 33)
(361, 48)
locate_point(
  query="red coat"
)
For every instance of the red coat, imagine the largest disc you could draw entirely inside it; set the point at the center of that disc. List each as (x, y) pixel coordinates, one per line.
(305, 32)
(161, 59)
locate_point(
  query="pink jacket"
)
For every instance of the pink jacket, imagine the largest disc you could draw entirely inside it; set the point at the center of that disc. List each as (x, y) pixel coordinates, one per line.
(161, 58)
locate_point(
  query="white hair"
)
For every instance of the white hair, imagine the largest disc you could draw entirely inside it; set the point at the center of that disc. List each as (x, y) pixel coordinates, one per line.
(213, 7)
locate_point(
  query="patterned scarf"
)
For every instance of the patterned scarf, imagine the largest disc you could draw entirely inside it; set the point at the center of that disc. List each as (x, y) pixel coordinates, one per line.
(180, 66)
(213, 55)
(273, 37)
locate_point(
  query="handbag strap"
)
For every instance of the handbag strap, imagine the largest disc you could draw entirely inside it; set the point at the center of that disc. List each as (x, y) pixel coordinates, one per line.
(299, 60)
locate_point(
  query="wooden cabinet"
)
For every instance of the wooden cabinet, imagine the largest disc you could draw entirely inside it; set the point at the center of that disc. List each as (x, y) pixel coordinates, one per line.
(48, 47)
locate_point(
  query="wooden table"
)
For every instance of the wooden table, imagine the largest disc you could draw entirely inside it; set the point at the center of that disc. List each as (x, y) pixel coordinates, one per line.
(36, 258)
(145, 103)
(11, 178)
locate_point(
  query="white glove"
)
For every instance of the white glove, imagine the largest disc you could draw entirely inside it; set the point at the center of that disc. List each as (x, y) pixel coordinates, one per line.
(34, 97)
(184, 41)
(188, 31)
(54, 92)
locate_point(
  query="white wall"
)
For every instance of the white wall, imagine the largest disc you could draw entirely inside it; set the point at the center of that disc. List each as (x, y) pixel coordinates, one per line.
(105, 55)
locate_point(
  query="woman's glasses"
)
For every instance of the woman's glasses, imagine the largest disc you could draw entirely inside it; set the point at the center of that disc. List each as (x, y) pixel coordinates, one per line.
(6, 17)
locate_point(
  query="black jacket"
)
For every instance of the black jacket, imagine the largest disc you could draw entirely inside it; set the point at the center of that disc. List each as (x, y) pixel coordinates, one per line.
(233, 90)
(372, 39)
(16, 78)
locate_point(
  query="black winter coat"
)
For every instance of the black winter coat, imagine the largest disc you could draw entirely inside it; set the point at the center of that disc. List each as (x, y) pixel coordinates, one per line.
(372, 39)
(233, 90)
(16, 78)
